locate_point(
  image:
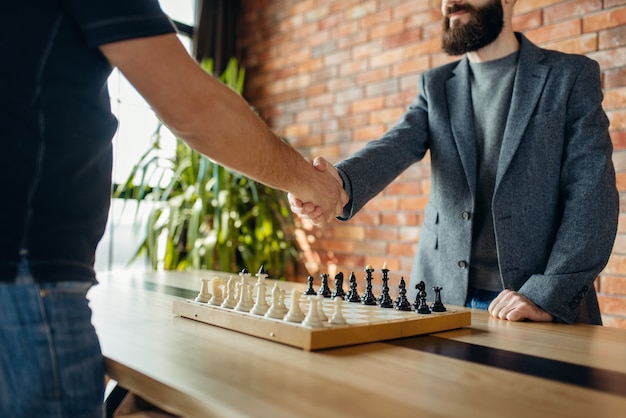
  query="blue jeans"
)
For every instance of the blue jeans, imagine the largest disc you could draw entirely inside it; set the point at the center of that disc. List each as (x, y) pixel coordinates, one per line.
(479, 298)
(51, 364)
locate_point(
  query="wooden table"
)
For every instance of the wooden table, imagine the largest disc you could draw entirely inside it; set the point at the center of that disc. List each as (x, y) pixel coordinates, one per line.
(494, 368)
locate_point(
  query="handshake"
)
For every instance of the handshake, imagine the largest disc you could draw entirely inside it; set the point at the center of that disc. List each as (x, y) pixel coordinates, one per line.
(324, 199)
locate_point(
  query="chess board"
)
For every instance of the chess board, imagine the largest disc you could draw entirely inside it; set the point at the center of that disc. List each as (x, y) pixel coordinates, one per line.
(364, 323)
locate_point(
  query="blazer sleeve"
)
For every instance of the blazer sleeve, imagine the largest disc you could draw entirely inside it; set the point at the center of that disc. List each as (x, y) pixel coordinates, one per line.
(368, 171)
(590, 205)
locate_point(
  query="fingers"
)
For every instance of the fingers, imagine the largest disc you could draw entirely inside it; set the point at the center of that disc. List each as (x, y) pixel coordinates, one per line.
(513, 306)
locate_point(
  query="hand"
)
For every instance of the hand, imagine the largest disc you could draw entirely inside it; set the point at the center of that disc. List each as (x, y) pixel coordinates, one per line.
(513, 306)
(309, 209)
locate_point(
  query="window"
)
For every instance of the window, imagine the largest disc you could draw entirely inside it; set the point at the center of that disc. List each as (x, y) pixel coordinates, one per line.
(137, 123)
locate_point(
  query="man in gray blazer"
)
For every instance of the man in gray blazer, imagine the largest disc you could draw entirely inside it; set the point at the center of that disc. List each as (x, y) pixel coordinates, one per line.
(523, 208)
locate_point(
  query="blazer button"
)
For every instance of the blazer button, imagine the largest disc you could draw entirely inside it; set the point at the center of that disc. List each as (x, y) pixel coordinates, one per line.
(462, 264)
(465, 215)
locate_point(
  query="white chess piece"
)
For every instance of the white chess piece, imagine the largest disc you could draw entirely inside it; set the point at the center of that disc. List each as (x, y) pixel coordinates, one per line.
(275, 310)
(295, 313)
(231, 299)
(312, 318)
(260, 306)
(204, 295)
(216, 285)
(245, 301)
(320, 310)
(337, 316)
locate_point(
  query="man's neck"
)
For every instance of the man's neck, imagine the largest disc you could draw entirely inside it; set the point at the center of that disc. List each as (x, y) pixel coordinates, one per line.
(505, 44)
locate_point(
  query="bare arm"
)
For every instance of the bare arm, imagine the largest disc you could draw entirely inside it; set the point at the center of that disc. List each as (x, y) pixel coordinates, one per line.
(216, 121)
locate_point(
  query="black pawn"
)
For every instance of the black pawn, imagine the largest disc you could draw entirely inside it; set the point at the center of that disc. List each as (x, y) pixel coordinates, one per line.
(368, 297)
(402, 303)
(338, 292)
(310, 290)
(437, 305)
(353, 295)
(420, 304)
(324, 289)
(384, 300)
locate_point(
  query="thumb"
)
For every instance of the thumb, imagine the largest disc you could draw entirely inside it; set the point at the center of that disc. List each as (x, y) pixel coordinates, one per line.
(320, 163)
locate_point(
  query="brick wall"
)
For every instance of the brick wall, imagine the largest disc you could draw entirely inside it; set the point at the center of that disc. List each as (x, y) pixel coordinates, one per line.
(331, 75)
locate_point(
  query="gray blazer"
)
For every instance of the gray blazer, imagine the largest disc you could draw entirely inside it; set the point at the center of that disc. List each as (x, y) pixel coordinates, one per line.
(555, 204)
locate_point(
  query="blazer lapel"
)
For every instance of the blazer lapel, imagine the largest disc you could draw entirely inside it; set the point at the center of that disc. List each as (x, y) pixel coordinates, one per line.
(461, 113)
(527, 87)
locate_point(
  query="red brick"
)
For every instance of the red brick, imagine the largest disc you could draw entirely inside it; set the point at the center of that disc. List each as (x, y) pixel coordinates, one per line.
(612, 321)
(367, 247)
(402, 249)
(612, 305)
(368, 133)
(614, 78)
(528, 21)
(529, 5)
(400, 218)
(555, 31)
(582, 44)
(613, 285)
(617, 119)
(604, 20)
(612, 38)
(614, 98)
(619, 140)
(570, 9)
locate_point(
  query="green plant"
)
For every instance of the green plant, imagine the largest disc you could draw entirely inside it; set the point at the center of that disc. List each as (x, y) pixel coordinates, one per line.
(203, 216)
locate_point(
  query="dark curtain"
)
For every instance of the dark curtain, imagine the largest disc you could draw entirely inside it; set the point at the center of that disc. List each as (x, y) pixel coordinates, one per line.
(215, 34)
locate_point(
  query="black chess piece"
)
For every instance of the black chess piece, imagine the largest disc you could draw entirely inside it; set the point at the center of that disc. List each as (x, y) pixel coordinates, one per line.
(437, 305)
(402, 303)
(353, 295)
(384, 300)
(368, 297)
(420, 304)
(309, 290)
(338, 292)
(324, 288)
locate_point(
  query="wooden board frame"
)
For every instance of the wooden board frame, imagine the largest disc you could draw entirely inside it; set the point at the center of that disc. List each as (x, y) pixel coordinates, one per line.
(310, 339)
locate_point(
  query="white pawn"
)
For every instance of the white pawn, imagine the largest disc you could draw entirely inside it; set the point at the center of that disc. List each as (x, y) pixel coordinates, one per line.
(275, 310)
(231, 299)
(295, 314)
(204, 295)
(337, 316)
(312, 318)
(217, 286)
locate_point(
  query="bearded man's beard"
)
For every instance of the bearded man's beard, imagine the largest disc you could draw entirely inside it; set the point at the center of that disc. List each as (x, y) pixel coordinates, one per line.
(483, 27)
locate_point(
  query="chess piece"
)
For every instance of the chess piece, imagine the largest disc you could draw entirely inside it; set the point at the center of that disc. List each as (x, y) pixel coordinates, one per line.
(231, 298)
(295, 313)
(261, 274)
(275, 310)
(337, 316)
(402, 302)
(420, 304)
(384, 300)
(338, 292)
(204, 295)
(245, 300)
(437, 305)
(309, 290)
(260, 306)
(368, 297)
(312, 318)
(353, 295)
(324, 288)
(320, 310)
(217, 294)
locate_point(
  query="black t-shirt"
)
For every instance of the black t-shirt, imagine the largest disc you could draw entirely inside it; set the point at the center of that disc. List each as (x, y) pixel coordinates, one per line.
(56, 128)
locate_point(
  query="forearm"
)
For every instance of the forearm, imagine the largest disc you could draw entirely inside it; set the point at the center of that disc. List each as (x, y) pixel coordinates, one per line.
(206, 114)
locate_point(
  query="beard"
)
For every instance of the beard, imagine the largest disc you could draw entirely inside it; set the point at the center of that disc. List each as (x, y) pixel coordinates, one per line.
(483, 27)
